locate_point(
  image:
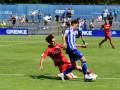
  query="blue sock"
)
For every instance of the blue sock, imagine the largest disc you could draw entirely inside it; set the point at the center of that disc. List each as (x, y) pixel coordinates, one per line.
(84, 67)
(68, 70)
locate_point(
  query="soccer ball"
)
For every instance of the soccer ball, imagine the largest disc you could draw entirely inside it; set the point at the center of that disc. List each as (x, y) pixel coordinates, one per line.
(91, 77)
(94, 76)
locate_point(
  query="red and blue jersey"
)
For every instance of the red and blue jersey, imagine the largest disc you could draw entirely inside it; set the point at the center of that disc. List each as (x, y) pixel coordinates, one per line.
(106, 28)
(56, 54)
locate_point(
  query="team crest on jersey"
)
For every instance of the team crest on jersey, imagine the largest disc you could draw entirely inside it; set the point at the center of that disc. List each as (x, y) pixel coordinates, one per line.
(56, 51)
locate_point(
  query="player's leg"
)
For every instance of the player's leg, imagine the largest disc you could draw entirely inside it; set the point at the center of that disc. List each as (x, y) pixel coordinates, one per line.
(79, 55)
(105, 39)
(73, 60)
(87, 76)
(79, 68)
(76, 67)
(110, 41)
(69, 76)
(83, 40)
(80, 35)
(73, 75)
(65, 69)
(84, 65)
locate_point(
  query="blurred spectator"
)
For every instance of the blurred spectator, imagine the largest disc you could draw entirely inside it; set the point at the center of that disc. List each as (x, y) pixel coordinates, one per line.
(115, 13)
(63, 17)
(66, 16)
(69, 14)
(104, 14)
(91, 26)
(99, 18)
(106, 10)
(39, 16)
(47, 19)
(13, 20)
(3, 24)
(84, 24)
(57, 18)
(81, 24)
(33, 14)
(64, 26)
(23, 19)
(110, 18)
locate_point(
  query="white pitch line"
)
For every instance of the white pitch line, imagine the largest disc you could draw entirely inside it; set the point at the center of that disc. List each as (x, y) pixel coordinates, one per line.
(12, 74)
(109, 78)
(106, 78)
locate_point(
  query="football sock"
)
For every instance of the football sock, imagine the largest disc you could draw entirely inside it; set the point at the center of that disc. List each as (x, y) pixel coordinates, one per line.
(84, 67)
(68, 70)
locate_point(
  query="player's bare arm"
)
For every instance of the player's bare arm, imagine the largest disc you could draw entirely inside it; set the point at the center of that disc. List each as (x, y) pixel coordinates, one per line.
(64, 42)
(41, 63)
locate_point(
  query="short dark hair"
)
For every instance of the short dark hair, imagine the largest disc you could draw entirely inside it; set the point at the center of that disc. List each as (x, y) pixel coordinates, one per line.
(49, 37)
(74, 22)
(68, 24)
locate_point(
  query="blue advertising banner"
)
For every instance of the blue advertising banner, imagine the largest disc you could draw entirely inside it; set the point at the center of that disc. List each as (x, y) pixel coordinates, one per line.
(13, 31)
(98, 33)
(92, 33)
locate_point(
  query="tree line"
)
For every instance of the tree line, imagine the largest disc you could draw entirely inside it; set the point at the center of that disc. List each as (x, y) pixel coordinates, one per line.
(61, 1)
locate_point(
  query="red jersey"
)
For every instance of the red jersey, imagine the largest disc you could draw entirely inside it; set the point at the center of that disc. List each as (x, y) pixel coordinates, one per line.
(106, 28)
(56, 54)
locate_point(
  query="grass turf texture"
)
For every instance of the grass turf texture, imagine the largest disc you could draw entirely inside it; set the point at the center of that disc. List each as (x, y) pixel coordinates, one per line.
(19, 59)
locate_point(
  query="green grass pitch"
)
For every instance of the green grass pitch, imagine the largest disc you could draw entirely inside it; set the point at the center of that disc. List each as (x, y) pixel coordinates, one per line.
(19, 59)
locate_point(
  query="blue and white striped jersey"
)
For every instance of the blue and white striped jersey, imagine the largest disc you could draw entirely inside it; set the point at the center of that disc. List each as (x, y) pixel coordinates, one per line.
(71, 38)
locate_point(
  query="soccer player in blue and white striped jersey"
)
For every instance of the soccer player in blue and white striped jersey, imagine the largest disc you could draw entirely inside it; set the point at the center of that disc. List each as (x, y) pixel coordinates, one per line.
(69, 38)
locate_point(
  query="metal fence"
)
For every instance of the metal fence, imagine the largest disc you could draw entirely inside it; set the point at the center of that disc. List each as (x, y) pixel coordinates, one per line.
(52, 28)
(83, 11)
(37, 28)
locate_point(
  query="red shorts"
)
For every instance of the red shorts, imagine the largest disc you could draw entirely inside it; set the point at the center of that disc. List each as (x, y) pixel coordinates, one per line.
(63, 67)
(107, 35)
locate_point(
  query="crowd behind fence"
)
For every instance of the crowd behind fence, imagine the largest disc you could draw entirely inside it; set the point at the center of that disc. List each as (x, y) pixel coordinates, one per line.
(77, 10)
(31, 16)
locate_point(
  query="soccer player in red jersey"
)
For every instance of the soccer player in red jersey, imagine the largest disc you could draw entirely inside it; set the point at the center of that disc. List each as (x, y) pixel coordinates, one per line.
(54, 51)
(106, 26)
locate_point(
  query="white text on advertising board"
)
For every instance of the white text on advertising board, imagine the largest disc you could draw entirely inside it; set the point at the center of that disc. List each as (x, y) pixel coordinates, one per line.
(23, 32)
(88, 33)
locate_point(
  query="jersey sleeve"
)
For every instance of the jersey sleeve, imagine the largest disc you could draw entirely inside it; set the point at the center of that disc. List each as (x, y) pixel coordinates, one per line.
(66, 32)
(45, 53)
(76, 32)
(60, 45)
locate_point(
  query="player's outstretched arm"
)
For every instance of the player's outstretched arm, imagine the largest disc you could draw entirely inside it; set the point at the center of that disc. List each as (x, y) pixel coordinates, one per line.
(41, 63)
(64, 42)
(43, 56)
